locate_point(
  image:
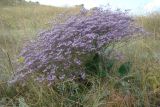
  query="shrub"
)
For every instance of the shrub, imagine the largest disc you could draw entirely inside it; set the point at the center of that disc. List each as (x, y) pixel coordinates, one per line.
(62, 51)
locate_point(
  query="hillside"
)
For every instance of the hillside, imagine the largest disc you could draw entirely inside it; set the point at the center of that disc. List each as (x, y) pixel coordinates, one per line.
(11, 2)
(23, 21)
(137, 86)
(16, 2)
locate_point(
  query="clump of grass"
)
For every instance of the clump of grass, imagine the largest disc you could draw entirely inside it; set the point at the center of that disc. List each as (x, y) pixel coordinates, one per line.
(151, 22)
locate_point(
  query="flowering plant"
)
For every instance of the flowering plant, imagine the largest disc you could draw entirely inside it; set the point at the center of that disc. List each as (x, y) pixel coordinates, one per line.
(61, 51)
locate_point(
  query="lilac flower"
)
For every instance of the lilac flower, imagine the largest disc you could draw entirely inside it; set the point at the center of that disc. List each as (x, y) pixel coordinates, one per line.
(62, 50)
(51, 77)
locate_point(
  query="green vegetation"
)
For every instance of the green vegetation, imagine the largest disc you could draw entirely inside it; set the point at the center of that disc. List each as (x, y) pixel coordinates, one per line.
(132, 82)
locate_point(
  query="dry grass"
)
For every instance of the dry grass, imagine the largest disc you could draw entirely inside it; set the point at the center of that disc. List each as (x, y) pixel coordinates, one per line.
(139, 88)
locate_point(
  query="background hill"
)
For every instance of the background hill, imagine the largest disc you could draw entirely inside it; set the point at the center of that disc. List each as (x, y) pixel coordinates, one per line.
(15, 2)
(11, 2)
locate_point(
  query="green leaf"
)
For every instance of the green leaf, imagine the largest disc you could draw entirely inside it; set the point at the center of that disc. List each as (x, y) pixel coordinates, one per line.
(125, 68)
(92, 66)
(110, 64)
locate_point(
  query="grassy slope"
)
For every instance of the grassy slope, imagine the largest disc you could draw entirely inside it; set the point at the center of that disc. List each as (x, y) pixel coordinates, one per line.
(20, 23)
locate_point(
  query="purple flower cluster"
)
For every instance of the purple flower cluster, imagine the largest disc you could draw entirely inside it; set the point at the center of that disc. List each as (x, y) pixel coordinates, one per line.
(60, 51)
